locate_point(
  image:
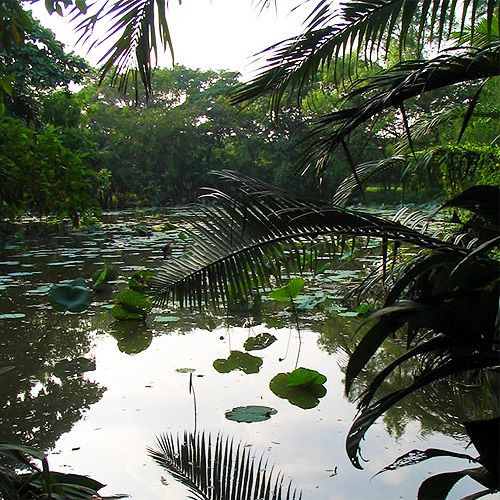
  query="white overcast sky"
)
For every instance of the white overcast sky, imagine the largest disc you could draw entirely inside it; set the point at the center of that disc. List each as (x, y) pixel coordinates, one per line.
(215, 34)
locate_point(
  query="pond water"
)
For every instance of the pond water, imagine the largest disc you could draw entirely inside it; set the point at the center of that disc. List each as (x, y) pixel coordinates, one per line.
(94, 393)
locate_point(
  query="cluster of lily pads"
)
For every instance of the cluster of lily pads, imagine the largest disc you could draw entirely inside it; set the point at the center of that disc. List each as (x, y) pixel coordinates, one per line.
(129, 304)
(302, 387)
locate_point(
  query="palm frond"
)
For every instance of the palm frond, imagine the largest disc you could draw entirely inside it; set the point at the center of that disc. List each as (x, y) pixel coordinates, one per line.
(448, 307)
(458, 163)
(236, 241)
(137, 31)
(447, 366)
(389, 88)
(218, 468)
(365, 171)
(338, 34)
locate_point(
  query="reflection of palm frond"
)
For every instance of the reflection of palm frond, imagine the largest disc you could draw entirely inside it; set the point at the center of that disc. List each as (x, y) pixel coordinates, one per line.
(237, 240)
(219, 469)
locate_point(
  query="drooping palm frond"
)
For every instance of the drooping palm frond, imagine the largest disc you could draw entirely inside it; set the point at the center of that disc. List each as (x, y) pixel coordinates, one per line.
(334, 33)
(220, 469)
(445, 307)
(457, 164)
(391, 88)
(136, 30)
(484, 435)
(236, 240)
(365, 171)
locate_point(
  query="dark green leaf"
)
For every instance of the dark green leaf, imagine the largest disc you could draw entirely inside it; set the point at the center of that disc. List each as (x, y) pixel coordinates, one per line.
(250, 414)
(238, 361)
(259, 341)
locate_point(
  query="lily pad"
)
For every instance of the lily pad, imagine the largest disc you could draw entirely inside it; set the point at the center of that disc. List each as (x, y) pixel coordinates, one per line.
(287, 292)
(185, 370)
(303, 377)
(12, 316)
(121, 314)
(348, 314)
(166, 319)
(41, 290)
(308, 302)
(72, 297)
(130, 304)
(238, 360)
(260, 341)
(249, 414)
(306, 395)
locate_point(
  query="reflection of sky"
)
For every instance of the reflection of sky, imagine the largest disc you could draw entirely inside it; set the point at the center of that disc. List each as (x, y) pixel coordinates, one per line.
(146, 396)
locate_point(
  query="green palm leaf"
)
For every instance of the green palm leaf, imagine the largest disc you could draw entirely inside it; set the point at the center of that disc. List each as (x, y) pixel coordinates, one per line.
(237, 241)
(332, 34)
(390, 88)
(446, 367)
(219, 469)
(137, 30)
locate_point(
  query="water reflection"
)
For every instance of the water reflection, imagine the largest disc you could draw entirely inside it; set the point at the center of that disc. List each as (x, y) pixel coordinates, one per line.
(138, 389)
(45, 393)
(442, 406)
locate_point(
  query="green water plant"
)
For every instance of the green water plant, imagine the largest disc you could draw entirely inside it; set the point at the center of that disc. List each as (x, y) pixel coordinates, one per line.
(485, 436)
(74, 296)
(102, 278)
(302, 387)
(238, 360)
(141, 280)
(22, 479)
(249, 414)
(259, 341)
(288, 292)
(131, 305)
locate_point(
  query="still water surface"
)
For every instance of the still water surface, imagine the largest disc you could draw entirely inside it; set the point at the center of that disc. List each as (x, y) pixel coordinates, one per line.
(97, 415)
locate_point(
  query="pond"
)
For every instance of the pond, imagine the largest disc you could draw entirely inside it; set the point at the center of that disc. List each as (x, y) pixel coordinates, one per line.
(94, 393)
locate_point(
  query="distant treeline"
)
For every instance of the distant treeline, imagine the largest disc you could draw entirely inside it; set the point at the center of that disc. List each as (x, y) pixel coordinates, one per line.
(71, 153)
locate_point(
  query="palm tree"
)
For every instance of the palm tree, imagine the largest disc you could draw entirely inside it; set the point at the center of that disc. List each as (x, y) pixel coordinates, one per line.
(444, 303)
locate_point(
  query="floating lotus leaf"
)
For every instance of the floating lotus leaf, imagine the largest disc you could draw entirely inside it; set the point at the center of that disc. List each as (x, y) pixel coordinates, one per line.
(348, 314)
(260, 341)
(101, 278)
(304, 396)
(141, 280)
(131, 339)
(287, 292)
(12, 316)
(142, 230)
(121, 314)
(238, 360)
(131, 305)
(308, 302)
(185, 370)
(166, 319)
(73, 297)
(249, 414)
(302, 377)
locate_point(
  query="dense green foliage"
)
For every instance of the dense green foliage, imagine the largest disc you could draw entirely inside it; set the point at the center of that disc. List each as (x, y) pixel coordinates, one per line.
(421, 115)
